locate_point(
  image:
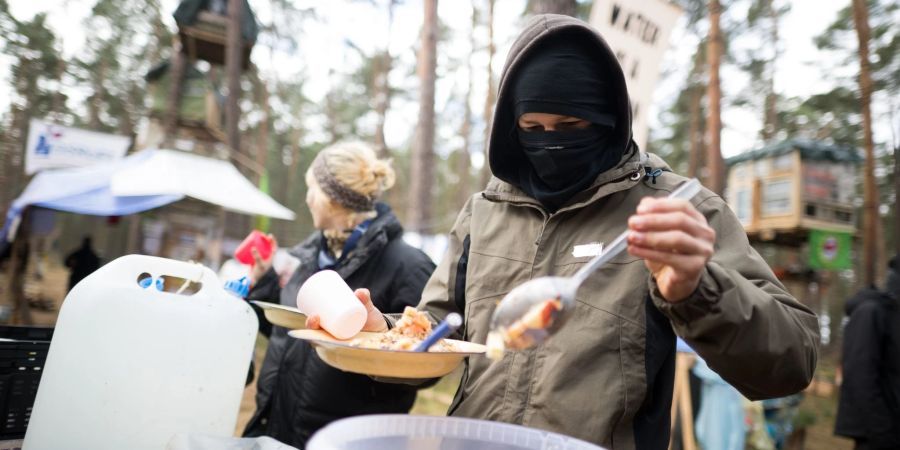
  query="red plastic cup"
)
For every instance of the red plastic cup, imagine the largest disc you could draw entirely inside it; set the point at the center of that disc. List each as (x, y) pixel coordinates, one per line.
(258, 240)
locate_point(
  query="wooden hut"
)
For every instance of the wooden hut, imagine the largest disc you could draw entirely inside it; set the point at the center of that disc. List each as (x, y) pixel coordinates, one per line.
(202, 28)
(201, 102)
(782, 191)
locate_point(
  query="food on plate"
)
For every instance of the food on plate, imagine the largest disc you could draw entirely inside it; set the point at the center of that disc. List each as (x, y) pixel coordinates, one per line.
(521, 333)
(412, 328)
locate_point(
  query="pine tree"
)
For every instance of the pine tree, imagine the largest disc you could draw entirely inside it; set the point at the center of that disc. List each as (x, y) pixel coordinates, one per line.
(36, 75)
(490, 99)
(419, 209)
(715, 180)
(871, 27)
(113, 63)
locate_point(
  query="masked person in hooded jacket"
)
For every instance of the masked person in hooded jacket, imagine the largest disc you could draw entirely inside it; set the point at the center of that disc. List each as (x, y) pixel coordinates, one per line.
(361, 240)
(567, 174)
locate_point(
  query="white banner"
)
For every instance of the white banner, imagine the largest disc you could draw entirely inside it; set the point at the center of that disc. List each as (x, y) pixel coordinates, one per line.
(638, 32)
(52, 146)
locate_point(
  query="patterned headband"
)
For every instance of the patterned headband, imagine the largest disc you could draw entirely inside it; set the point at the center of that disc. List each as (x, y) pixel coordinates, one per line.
(347, 197)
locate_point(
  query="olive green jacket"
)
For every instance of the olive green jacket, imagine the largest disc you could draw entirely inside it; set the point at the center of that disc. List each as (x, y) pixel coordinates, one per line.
(606, 376)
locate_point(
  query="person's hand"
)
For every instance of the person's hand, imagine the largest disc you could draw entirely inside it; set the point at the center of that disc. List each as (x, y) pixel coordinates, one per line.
(675, 242)
(374, 319)
(260, 265)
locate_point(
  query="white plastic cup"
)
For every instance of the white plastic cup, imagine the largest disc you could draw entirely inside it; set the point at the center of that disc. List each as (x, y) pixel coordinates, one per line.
(327, 294)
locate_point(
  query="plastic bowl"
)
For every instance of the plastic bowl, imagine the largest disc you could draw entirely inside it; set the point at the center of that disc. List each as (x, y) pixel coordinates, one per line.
(398, 432)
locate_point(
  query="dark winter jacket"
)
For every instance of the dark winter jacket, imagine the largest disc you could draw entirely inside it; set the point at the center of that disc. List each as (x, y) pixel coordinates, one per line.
(297, 393)
(869, 407)
(81, 262)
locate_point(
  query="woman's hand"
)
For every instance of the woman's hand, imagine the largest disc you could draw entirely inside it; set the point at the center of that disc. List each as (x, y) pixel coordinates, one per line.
(260, 265)
(374, 320)
(675, 242)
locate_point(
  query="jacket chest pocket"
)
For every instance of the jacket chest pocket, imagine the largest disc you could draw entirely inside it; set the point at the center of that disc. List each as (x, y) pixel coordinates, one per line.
(489, 274)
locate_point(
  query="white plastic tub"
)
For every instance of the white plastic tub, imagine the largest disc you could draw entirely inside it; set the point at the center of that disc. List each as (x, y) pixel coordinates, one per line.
(402, 432)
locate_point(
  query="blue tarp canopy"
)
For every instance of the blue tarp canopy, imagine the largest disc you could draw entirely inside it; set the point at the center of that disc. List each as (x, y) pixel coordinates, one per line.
(81, 190)
(145, 180)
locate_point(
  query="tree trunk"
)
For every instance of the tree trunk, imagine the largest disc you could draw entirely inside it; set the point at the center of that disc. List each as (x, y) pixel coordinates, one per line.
(770, 118)
(173, 102)
(715, 180)
(331, 115)
(233, 75)
(296, 137)
(896, 199)
(59, 99)
(381, 90)
(419, 212)
(565, 7)
(463, 160)
(14, 138)
(695, 132)
(870, 189)
(491, 97)
(262, 150)
(18, 267)
(14, 142)
(20, 142)
(382, 87)
(96, 99)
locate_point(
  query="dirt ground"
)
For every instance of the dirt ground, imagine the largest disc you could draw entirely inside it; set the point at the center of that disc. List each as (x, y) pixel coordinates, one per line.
(50, 292)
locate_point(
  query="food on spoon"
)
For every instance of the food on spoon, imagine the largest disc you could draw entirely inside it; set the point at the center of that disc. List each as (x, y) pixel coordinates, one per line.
(412, 328)
(521, 333)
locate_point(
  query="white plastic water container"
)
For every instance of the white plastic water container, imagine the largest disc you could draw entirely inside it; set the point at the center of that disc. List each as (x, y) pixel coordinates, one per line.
(400, 431)
(129, 367)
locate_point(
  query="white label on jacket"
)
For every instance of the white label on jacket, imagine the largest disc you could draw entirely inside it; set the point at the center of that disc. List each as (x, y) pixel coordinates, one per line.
(586, 250)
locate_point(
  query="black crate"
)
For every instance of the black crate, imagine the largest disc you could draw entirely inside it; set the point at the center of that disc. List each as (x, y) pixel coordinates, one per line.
(26, 333)
(23, 352)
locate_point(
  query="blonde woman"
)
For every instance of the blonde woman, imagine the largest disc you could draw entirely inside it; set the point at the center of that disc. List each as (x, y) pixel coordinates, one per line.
(359, 238)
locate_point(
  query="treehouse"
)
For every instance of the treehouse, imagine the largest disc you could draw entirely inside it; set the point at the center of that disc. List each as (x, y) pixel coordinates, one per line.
(202, 28)
(783, 191)
(200, 107)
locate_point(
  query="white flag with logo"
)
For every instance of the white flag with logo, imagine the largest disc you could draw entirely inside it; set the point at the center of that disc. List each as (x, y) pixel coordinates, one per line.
(638, 32)
(53, 146)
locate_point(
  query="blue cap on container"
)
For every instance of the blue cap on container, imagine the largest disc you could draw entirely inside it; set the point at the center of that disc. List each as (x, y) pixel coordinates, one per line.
(239, 287)
(147, 282)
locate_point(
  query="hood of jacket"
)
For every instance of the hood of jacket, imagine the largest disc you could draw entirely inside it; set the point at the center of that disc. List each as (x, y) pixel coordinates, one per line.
(505, 155)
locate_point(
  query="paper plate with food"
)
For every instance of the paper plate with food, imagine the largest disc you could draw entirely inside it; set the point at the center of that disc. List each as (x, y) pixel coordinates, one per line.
(396, 353)
(282, 315)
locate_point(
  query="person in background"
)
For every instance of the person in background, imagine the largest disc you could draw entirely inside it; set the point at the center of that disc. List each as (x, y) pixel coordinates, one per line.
(567, 179)
(82, 262)
(360, 239)
(869, 405)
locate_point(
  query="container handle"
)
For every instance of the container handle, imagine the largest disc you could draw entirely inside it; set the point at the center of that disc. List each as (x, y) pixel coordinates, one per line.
(129, 267)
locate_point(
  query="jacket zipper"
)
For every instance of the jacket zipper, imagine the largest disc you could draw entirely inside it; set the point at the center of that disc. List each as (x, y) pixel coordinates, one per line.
(543, 227)
(545, 221)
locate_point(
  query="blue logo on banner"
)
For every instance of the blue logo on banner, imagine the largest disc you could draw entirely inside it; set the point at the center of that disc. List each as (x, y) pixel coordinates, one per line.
(43, 147)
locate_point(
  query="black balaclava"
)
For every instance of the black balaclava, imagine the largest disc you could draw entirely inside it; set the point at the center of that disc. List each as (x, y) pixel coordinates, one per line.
(563, 77)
